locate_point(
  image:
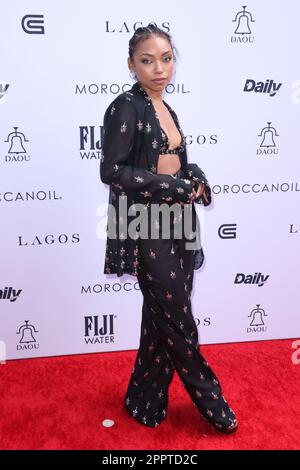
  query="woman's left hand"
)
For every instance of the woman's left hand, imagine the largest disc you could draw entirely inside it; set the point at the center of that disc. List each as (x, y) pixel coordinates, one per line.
(199, 192)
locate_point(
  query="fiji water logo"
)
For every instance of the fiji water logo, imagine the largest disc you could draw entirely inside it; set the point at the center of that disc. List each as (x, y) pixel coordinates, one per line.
(99, 329)
(90, 142)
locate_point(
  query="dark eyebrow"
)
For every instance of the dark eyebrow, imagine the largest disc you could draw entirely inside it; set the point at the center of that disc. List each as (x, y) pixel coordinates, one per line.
(151, 55)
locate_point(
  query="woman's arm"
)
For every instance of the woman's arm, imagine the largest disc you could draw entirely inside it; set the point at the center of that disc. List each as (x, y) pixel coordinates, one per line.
(119, 123)
(194, 172)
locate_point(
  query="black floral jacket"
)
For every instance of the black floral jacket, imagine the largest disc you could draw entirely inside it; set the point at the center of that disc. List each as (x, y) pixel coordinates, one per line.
(131, 141)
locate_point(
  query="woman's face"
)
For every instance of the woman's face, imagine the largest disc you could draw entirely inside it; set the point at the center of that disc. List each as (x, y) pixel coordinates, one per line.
(153, 59)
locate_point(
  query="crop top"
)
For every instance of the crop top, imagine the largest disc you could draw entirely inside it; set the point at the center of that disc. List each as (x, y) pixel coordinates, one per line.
(164, 149)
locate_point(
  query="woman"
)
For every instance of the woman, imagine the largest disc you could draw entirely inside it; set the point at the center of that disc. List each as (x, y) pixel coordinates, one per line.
(144, 161)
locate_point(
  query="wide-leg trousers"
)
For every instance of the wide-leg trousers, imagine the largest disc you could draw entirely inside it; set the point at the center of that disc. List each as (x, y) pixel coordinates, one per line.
(169, 338)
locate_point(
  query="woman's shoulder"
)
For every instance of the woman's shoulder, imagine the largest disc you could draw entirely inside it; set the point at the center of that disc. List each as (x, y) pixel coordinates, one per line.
(124, 102)
(127, 96)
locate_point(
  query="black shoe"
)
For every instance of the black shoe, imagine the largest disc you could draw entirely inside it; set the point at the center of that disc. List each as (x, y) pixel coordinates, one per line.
(222, 418)
(151, 422)
(224, 428)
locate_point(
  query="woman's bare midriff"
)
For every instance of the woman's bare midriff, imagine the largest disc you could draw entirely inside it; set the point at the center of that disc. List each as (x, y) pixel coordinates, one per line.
(168, 164)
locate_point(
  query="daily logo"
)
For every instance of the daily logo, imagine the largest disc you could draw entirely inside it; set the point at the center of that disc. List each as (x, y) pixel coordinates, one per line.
(257, 279)
(268, 87)
(10, 294)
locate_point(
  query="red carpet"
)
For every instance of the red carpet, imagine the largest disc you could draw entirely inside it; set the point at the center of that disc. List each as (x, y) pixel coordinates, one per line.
(60, 402)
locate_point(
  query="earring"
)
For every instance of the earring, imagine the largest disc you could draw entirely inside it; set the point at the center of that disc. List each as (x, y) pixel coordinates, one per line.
(132, 74)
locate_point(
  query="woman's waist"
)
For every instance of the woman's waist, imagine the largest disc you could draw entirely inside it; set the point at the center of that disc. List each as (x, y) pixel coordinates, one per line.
(178, 174)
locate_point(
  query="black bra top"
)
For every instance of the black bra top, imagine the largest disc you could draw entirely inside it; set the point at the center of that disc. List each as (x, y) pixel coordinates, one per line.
(165, 144)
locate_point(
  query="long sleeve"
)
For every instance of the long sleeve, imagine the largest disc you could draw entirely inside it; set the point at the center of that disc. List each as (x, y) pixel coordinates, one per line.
(120, 126)
(194, 172)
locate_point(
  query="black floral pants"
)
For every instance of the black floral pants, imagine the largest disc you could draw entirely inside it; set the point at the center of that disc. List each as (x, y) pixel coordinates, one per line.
(169, 338)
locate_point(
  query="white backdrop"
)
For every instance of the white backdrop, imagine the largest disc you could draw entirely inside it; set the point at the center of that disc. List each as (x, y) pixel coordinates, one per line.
(59, 71)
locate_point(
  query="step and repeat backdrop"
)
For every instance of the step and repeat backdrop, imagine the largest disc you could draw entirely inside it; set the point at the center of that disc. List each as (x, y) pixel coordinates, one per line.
(236, 91)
